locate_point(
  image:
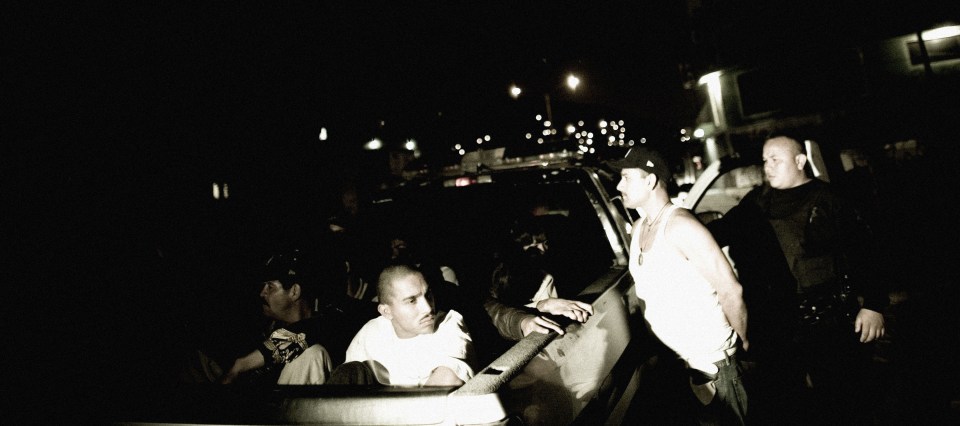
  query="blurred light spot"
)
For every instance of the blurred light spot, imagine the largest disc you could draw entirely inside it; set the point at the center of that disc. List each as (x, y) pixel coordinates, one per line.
(323, 133)
(373, 145)
(515, 91)
(572, 82)
(698, 133)
(216, 191)
(571, 128)
(942, 32)
(410, 144)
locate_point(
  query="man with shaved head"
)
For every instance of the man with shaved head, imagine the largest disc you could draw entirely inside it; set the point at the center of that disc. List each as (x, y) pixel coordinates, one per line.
(411, 343)
(803, 255)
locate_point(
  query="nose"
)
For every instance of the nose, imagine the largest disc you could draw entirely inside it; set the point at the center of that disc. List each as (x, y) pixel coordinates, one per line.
(263, 290)
(619, 185)
(425, 305)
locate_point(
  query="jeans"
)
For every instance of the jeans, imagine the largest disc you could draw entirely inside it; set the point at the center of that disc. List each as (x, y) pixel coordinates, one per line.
(729, 403)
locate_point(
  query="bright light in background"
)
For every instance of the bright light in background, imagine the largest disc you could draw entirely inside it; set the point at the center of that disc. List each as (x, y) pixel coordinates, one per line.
(573, 82)
(323, 133)
(515, 91)
(547, 123)
(486, 138)
(529, 135)
(373, 145)
(580, 123)
(538, 117)
(603, 123)
(571, 128)
(216, 191)
(226, 191)
(712, 81)
(942, 32)
(698, 133)
(410, 144)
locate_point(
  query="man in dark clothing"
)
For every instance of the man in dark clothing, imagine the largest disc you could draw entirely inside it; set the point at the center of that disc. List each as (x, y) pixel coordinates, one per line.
(803, 256)
(312, 324)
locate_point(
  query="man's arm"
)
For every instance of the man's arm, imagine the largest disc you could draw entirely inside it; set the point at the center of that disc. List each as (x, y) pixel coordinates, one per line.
(251, 361)
(695, 243)
(515, 324)
(455, 352)
(860, 250)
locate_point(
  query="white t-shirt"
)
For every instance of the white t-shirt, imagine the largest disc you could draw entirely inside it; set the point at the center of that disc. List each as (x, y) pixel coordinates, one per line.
(409, 362)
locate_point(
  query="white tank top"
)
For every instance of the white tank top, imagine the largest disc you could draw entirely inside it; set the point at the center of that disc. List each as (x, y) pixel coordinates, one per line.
(679, 305)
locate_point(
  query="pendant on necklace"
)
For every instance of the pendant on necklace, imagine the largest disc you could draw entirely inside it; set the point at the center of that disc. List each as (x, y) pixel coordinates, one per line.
(640, 258)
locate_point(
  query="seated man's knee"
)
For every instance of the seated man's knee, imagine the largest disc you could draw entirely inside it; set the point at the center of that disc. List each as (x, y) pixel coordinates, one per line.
(352, 373)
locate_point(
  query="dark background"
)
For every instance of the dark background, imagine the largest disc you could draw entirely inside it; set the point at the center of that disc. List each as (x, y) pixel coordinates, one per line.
(122, 115)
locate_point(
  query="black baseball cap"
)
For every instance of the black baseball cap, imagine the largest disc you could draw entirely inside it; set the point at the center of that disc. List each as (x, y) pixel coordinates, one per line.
(644, 158)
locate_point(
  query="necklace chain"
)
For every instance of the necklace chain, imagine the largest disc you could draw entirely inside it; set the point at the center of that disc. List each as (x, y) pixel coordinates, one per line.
(643, 230)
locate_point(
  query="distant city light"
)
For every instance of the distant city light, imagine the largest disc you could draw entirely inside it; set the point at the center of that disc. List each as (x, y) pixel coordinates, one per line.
(216, 191)
(323, 133)
(515, 91)
(540, 140)
(457, 146)
(373, 145)
(529, 136)
(410, 144)
(462, 152)
(479, 141)
(698, 133)
(486, 138)
(571, 128)
(539, 117)
(547, 123)
(580, 123)
(226, 191)
(603, 131)
(615, 126)
(603, 123)
(683, 131)
(573, 82)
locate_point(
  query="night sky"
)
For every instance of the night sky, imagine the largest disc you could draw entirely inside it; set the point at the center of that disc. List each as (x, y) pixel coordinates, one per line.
(124, 114)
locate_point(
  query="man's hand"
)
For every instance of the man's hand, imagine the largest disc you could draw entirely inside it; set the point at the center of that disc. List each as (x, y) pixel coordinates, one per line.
(539, 324)
(869, 324)
(575, 310)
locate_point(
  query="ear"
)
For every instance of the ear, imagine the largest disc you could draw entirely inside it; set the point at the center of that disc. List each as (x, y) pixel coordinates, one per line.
(801, 160)
(295, 291)
(384, 310)
(652, 180)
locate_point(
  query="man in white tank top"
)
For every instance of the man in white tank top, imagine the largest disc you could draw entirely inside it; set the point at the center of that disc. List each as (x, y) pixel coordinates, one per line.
(691, 298)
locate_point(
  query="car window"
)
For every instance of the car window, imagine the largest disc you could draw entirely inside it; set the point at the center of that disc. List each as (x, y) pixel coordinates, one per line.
(728, 189)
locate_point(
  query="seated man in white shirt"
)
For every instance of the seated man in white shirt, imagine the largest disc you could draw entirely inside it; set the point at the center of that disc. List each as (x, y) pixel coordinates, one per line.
(410, 344)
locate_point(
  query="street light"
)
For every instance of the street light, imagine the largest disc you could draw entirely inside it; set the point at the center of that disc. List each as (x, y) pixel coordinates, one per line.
(572, 82)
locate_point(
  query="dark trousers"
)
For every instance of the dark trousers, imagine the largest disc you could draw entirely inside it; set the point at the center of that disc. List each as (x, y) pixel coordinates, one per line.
(823, 376)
